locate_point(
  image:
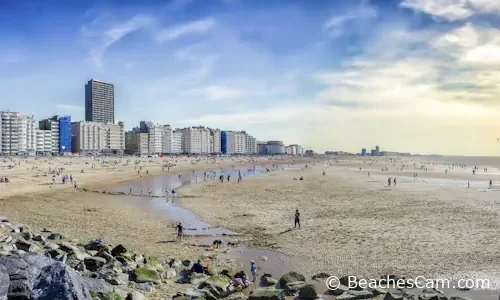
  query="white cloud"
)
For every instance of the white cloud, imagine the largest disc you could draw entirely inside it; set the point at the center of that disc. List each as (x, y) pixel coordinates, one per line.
(113, 34)
(337, 25)
(175, 32)
(471, 45)
(453, 10)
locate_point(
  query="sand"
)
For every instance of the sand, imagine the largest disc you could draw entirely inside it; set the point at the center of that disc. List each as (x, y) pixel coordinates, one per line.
(30, 198)
(354, 224)
(351, 223)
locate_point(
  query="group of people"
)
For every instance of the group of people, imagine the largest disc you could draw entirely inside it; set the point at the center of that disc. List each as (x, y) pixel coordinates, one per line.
(4, 180)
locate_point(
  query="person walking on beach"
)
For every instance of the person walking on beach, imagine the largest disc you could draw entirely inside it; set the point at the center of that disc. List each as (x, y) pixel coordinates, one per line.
(253, 270)
(468, 184)
(130, 192)
(228, 177)
(389, 181)
(394, 180)
(75, 186)
(179, 232)
(297, 219)
(491, 184)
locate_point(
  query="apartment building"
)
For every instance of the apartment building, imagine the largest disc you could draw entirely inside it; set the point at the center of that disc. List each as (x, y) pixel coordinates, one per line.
(250, 144)
(43, 142)
(95, 137)
(136, 143)
(177, 144)
(233, 142)
(167, 145)
(99, 102)
(195, 140)
(215, 141)
(17, 134)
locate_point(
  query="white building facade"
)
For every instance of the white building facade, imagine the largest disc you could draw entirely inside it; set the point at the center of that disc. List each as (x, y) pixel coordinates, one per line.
(196, 140)
(17, 134)
(94, 137)
(136, 143)
(43, 142)
(177, 144)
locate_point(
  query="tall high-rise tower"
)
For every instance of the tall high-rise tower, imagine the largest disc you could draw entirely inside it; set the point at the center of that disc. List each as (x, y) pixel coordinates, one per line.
(99, 102)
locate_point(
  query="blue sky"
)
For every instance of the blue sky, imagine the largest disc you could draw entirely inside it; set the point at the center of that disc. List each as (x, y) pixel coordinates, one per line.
(408, 75)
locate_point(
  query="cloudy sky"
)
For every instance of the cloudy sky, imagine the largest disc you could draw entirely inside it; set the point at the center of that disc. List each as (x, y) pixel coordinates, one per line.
(408, 75)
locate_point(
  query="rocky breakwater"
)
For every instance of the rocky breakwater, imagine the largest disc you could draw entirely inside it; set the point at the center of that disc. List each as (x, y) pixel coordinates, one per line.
(46, 265)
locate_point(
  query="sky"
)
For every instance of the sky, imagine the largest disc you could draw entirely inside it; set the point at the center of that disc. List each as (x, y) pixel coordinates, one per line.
(418, 76)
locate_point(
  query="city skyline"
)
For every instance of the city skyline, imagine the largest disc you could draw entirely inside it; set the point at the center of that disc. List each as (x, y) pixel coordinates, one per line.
(324, 74)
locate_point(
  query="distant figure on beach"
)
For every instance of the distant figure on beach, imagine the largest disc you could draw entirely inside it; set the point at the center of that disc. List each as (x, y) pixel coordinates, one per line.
(253, 270)
(473, 172)
(228, 177)
(179, 231)
(216, 244)
(324, 173)
(368, 173)
(468, 184)
(394, 180)
(173, 193)
(297, 218)
(491, 184)
(130, 192)
(76, 186)
(389, 181)
(221, 178)
(150, 192)
(301, 178)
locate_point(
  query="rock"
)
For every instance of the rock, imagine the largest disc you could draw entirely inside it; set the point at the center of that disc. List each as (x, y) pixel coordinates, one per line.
(191, 293)
(146, 274)
(55, 236)
(57, 281)
(55, 253)
(145, 286)
(355, 295)
(393, 296)
(338, 291)
(138, 258)
(6, 239)
(459, 298)
(175, 263)
(79, 254)
(219, 282)
(267, 280)
(290, 277)
(120, 249)
(121, 279)
(93, 245)
(308, 291)
(431, 294)
(188, 264)
(27, 235)
(295, 286)
(51, 246)
(4, 283)
(120, 293)
(94, 263)
(235, 296)
(23, 270)
(127, 264)
(320, 276)
(98, 287)
(378, 291)
(169, 273)
(195, 278)
(104, 254)
(26, 246)
(39, 238)
(266, 293)
(110, 270)
(154, 263)
(135, 295)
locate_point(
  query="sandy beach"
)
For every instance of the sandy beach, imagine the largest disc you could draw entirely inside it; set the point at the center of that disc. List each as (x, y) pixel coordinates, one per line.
(31, 198)
(352, 223)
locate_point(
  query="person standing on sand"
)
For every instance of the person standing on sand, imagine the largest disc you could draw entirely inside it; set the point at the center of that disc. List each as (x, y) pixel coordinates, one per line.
(253, 270)
(130, 192)
(297, 219)
(389, 181)
(394, 180)
(468, 184)
(179, 232)
(491, 184)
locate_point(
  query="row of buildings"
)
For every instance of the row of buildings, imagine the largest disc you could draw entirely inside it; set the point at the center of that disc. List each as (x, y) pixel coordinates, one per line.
(99, 134)
(377, 152)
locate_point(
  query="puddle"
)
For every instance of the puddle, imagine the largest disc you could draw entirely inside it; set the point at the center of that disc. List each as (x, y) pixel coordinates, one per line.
(160, 186)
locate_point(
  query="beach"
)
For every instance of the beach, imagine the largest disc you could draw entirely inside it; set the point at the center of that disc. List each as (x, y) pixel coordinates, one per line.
(431, 225)
(352, 223)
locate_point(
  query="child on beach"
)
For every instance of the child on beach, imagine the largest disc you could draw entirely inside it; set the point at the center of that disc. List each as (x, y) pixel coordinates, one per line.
(297, 218)
(179, 232)
(253, 270)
